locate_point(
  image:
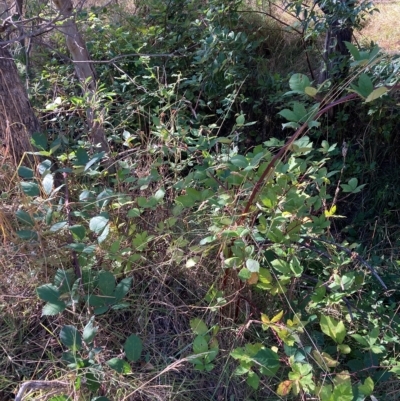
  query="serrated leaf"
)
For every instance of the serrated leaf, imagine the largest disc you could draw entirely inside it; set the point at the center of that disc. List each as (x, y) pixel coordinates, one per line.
(268, 360)
(198, 326)
(78, 231)
(71, 338)
(48, 293)
(299, 82)
(281, 266)
(289, 115)
(200, 345)
(376, 93)
(106, 282)
(367, 387)
(123, 288)
(253, 380)
(324, 360)
(89, 331)
(52, 309)
(133, 348)
(135, 212)
(98, 223)
(119, 365)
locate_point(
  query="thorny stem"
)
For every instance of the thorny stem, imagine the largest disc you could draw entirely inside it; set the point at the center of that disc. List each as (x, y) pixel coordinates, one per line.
(75, 261)
(279, 156)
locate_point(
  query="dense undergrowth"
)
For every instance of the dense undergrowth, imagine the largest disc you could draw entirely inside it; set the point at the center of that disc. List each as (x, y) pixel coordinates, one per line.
(214, 254)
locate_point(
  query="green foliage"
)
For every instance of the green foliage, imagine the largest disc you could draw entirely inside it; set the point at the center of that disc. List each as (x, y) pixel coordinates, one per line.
(265, 213)
(205, 345)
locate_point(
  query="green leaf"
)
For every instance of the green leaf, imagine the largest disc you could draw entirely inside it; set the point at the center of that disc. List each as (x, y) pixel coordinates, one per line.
(135, 212)
(98, 223)
(25, 172)
(361, 340)
(296, 267)
(92, 382)
(78, 231)
(186, 200)
(39, 141)
(365, 85)
(106, 282)
(82, 158)
(268, 360)
(239, 161)
(58, 226)
(119, 365)
(89, 331)
(333, 328)
(159, 195)
(48, 183)
(253, 380)
(344, 349)
(198, 326)
(310, 91)
(252, 265)
(289, 115)
(60, 398)
(53, 308)
(353, 50)
(64, 280)
(240, 119)
(48, 293)
(71, 338)
(123, 288)
(367, 387)
(200, 345)
(27, 234)
(104, 234)
(96, 158)
(101, 310)
(377, 93)
(133, 348)
(244, 274)
(299, 82)
(25, 218)
(30, 188)
(281, 266)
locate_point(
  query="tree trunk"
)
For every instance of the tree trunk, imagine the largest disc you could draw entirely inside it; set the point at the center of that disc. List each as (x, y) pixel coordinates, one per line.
(17, 119)
(335, 50)
(83, 68)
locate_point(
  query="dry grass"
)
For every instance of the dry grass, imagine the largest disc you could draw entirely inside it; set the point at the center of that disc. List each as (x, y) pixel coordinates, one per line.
(383, 27)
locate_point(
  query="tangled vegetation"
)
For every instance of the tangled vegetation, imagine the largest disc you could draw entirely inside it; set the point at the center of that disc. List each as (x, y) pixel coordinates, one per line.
(238, 241)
